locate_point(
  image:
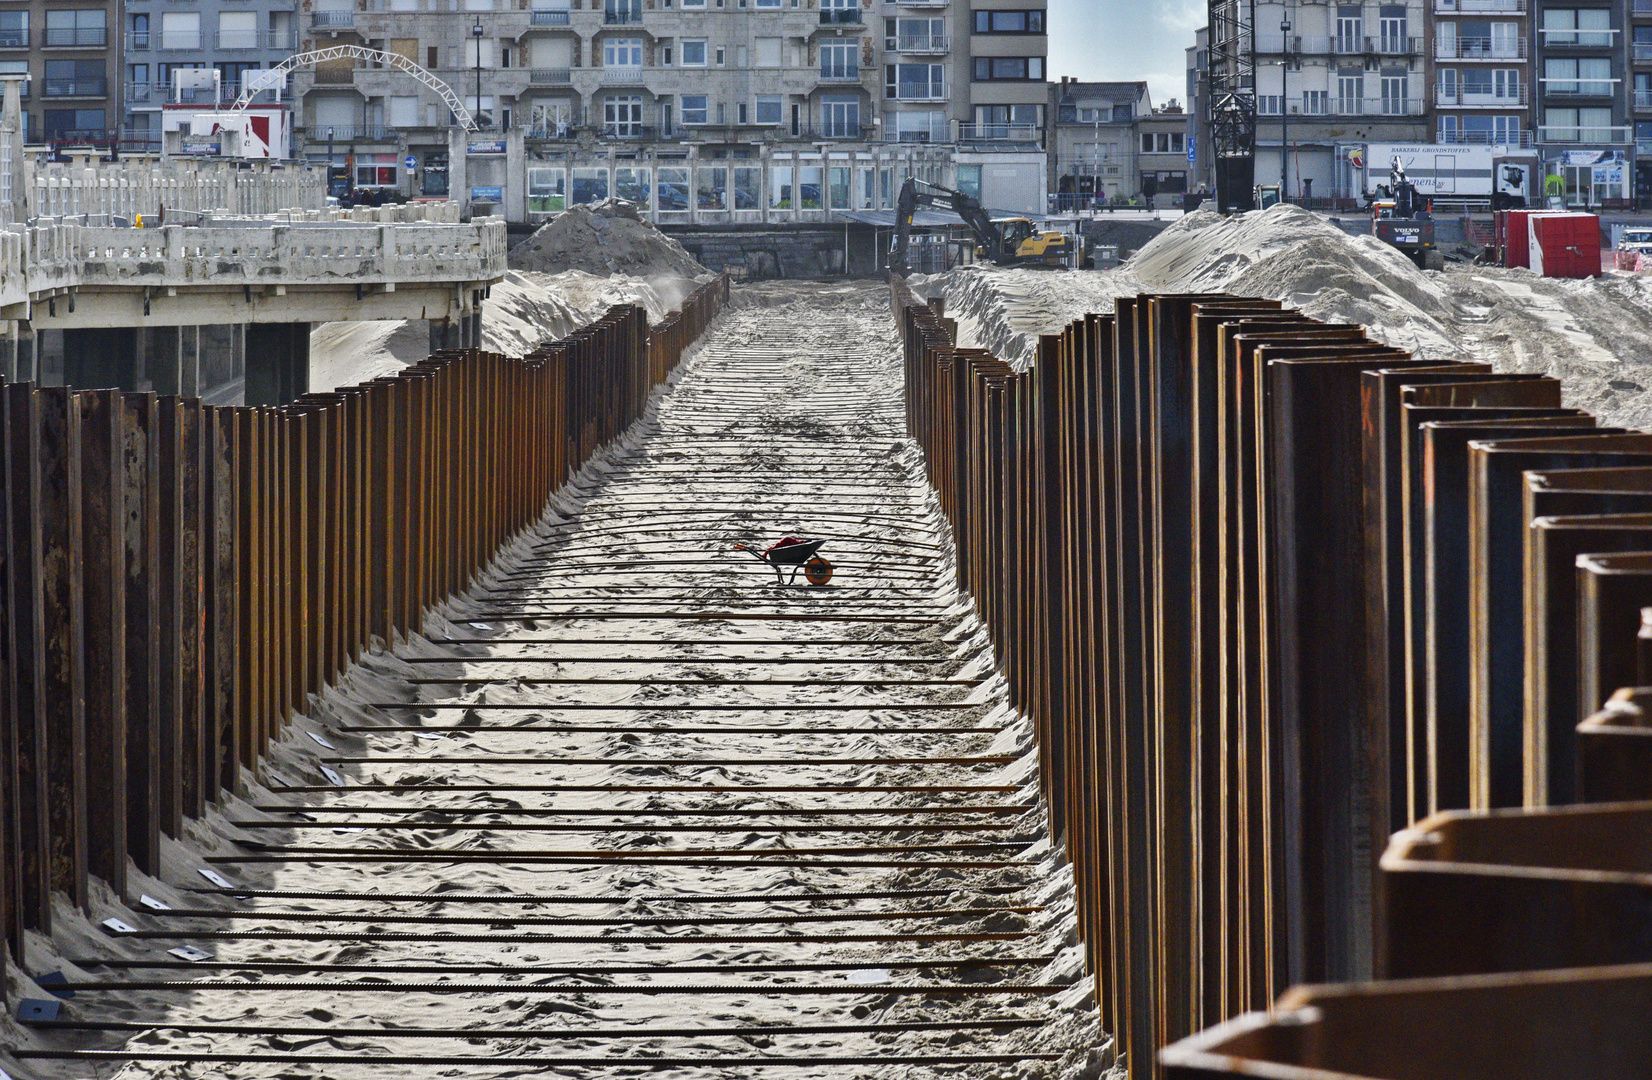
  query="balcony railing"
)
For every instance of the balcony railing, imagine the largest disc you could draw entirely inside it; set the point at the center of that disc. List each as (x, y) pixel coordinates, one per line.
(916, 91)
(1461, 99)
(1643, 149)
(230, 40)
(933, 133)
(1479, 49)
(1484, 138)
(189, 40)
(629, 73)
(924, 3)
(1641, 52)
(331, 75)
(918, 43)
(76, 37)
(629, 131)
(1569, 133)
(335, 20)
(96, 87)
(137, 42)
(550, 76)
(1480, 7)
(14, 39)
(622, 16)
(839, 16)
(837, 73)
(1575, 39)
(1643, 99)
(1641, 7)
(1388, 106)
(549, 18)
(998, 132)
(1577, 89)
(317, 133)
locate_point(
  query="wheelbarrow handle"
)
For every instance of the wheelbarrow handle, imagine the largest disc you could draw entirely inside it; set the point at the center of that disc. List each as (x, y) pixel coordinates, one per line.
(753, 552)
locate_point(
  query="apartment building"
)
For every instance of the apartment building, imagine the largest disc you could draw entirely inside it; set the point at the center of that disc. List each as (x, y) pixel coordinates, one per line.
(627, 96)
(230, 39)
(1201, 173)
(1483, 83)
(1333, 75)
(70, 52)
(1093, 139)
(1581, 53)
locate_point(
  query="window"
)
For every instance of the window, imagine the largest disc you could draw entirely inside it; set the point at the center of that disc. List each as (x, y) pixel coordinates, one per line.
(747, 188)
(913, 35)
(840, 117)
(711, 188)
(769, 111)
(719, 57)
(837, 187)
(238, 30)
(969, 181)
(868, 189)
(1350, 28)
(1391, 24)
(694, 3)
(1474, 39)
(839, 60)
(1009, 22)
(547, 191)
(60, 122)
(14, 31)
(616, 12)
(475, 45)
(673, 190)
(622, 52)
(75, 78)
(590, 186)
(694, 109)
(768, 3)
(808, 187)
(1350, 93)
(1577, 125)
(622, 115)
(694, 54)
(1578, 76)
(920, 127)
(915, 82)
(780, 187)
(1577, 26)
(1266, 105)
(768, 52)
(376, 170)
(82, 28)
(1000, 68)
(632, 185)
(1394, 85)
(181, 30)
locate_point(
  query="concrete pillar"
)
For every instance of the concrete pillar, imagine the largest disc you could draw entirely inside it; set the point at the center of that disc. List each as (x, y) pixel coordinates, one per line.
(473, 323)
(25, 370)
(215, 363)
(278, 367)
(189, 362)
(160, 359)
(48, 357)
(446, 334)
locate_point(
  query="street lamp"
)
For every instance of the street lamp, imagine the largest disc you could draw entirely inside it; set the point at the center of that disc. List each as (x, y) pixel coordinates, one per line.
(476, 32)
(1284, 109)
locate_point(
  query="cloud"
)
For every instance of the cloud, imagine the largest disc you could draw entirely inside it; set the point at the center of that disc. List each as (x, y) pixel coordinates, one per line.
(1086, 42)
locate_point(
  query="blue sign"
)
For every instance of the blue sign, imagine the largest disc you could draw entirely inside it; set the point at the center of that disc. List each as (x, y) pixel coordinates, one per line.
(485, 146)
(487, 194)
(1190, 151)
(411, 162)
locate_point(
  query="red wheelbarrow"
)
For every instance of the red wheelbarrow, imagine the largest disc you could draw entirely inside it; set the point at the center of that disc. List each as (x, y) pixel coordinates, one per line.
(801, 555)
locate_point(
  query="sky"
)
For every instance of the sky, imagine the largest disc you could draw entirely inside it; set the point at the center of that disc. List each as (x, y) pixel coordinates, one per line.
(1086, 42)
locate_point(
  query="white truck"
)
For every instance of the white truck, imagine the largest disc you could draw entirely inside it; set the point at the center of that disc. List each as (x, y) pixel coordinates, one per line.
(1456, 172)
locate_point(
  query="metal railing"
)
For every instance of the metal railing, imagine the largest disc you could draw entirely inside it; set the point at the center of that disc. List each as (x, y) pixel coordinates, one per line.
(1522, 138)
(1575, 133)
(230, 40)
(75, 37)
(1479, 49)
(919, 43)
(627, 74)
(999, 133)
(839, 16)
(1643, 99)
(14, 39)
(137, 41)
(349, 132)
(176, 40)
(94, 87)
(622, 17)
(1641, 52)
(1641, 7)
(919, 91)
(550, 76)
(937, 132)
(1478, 7)
(1458, 98)
(548, 18)
(333, 19)
(837, 73)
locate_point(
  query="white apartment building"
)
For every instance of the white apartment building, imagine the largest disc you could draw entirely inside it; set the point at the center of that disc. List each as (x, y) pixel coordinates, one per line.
(628, 97)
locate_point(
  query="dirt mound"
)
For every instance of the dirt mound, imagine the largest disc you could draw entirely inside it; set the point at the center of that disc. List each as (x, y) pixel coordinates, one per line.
(604, 238)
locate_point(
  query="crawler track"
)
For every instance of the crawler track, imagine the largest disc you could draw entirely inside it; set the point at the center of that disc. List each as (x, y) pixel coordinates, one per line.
(631, 804)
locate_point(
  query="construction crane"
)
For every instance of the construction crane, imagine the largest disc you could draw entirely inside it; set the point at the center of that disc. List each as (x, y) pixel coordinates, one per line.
(1010, 242)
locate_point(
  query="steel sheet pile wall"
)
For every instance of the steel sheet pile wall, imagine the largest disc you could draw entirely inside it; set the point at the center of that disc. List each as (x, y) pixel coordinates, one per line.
(179, 577)
(1273, 592)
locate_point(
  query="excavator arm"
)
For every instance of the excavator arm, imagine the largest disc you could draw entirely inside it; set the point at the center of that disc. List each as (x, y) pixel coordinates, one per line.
(916, 193)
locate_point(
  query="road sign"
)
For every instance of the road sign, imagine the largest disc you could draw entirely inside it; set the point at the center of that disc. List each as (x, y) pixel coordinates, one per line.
(410, 161)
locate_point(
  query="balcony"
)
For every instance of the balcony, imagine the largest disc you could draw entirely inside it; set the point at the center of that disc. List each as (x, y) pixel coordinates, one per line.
(335, 75)
(1375, 107)
(840, 17)
(918, 44)
(1567, 133)
(1572, 89)
(548, 18)
(1458, 98)
(178, 40)
(932, 133)
(1479, 49)
(1641, 52)
(913, 91)
(1573, 39)
(550, 76)
(840, 74)
(234, 40)
(924, 3)
(631, 74)
(1641, 8)
(333, 20)
(628, 131)
(1480, 7)
(76, 37)
(318, 133)
(62, 88)
(1021, 133)
(622, 17)
(138, 42)
(138, 93)
(1643, 99)
(1484, 138)
(14, 39)
(1643, 149)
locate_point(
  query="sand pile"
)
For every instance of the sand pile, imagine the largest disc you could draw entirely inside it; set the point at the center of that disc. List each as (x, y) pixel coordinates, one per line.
(1594, 334)
(605, 238)
(520, 312)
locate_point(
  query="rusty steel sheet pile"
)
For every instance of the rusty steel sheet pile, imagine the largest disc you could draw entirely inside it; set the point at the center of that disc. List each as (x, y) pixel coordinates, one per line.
(179, 577)
(1323, 644)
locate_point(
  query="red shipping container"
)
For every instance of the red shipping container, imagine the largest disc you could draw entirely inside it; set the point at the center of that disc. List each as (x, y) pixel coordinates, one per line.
(1515, 235)
(1565, 245)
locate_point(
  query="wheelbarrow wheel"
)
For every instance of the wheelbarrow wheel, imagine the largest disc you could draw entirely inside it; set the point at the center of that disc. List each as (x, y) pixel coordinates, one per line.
(818, 571)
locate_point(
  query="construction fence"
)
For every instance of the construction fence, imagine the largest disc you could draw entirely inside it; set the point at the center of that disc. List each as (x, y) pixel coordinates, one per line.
(1316, 638)
(180, 578)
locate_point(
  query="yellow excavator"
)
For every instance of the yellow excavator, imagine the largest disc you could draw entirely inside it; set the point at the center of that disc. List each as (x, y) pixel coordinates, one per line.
(1006, 242)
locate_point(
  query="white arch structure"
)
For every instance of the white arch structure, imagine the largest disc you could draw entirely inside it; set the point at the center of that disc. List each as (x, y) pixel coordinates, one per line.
(265, 79)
